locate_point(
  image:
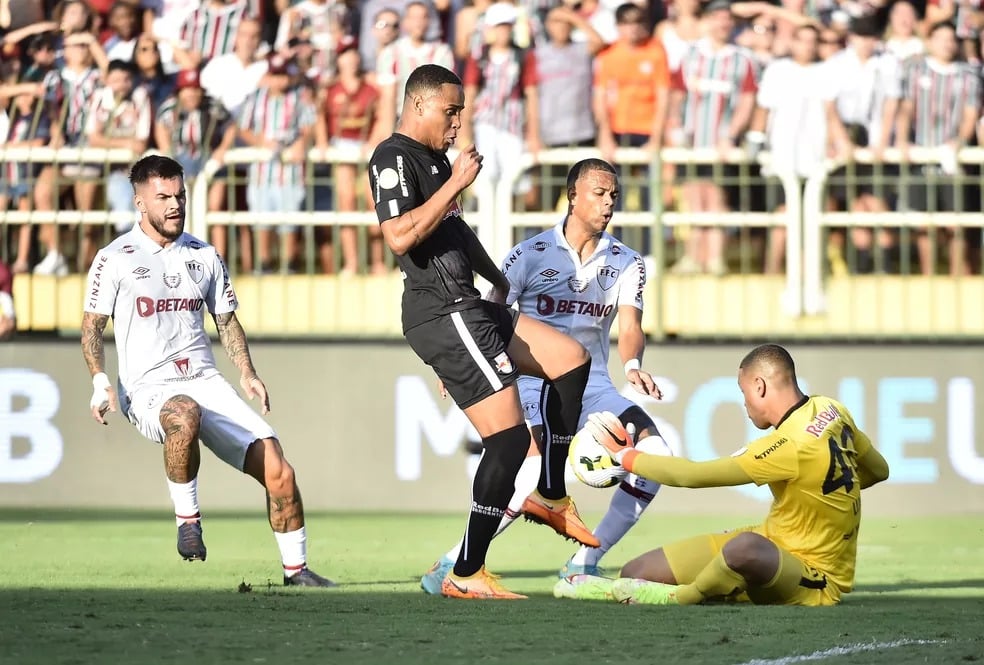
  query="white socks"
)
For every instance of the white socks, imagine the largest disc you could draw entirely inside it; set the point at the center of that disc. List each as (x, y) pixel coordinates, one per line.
(184, 496)
(526, 481)
(626, 507)
(293, 550)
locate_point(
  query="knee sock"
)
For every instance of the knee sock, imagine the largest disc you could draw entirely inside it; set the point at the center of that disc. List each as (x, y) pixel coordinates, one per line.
(293, 550)
(630, 499)
(184, 496)
(526, 478)
(561, 413)
(716, 579)
(491, 491)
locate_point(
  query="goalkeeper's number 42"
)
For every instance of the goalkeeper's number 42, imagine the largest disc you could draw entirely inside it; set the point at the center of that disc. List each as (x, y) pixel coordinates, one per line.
(840, 472)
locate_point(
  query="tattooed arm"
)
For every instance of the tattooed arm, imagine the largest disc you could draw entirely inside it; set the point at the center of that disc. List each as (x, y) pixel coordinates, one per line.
(93, 350)
(103, 393)
(233, 339)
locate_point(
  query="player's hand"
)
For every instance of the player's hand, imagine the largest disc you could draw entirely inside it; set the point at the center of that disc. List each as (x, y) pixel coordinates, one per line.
(441, 390)
(103, 399)
(608, 430)
(643, 383)
(496, 295)
(254, 387)
(467, 165)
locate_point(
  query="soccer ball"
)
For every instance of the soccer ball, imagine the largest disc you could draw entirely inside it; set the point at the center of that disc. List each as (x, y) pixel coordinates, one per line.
(591, 463)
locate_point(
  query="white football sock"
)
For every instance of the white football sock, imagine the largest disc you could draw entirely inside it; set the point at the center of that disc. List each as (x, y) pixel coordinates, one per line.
(293, 550)
(626, 507)
(526, 480)
(184, 496)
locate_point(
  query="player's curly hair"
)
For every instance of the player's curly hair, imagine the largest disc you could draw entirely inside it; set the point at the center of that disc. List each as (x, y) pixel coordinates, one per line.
(583, 167)
(429, 78)
(154, 166)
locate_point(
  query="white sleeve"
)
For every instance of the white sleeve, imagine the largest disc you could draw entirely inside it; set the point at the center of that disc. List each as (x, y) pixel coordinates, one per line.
(221, 297)
(386, 66)
(514, 269)
(830, 79)
(893, 76)
(101, 285)
(767, 97)
(632, 284)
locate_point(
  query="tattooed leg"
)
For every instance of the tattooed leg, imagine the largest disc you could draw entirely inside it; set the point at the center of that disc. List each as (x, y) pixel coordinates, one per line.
(181, 418)
(265, 462)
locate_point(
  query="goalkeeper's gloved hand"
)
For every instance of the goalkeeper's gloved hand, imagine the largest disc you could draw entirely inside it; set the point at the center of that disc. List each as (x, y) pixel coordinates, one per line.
(608, 430)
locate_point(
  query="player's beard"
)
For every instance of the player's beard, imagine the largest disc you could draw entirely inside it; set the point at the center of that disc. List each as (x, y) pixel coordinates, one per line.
(171, 229)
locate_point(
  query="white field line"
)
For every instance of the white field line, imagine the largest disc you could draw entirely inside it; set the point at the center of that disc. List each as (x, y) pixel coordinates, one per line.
(840, 651)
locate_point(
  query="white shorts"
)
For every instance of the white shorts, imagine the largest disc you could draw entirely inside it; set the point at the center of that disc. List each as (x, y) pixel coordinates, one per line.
(597, 397)
(229, 425)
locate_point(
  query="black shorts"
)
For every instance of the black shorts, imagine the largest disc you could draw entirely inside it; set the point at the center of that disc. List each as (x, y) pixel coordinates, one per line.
(467, 350)
(930, 190)
(725, 176)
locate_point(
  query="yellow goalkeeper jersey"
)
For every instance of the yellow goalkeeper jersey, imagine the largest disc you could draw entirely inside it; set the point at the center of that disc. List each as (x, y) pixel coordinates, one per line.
(810, 463)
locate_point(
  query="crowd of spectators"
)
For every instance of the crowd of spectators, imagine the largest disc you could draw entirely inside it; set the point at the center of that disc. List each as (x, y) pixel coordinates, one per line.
(806, 79)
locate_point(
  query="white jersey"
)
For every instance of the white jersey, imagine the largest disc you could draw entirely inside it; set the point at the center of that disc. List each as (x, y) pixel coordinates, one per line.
(158, 298)
(549, 282)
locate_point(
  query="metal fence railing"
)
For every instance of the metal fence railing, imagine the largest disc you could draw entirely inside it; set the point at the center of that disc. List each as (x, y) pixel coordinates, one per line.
(808, 298)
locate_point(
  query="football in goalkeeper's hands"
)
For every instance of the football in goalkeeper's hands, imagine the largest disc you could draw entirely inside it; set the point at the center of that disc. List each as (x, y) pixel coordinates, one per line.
(591, 463)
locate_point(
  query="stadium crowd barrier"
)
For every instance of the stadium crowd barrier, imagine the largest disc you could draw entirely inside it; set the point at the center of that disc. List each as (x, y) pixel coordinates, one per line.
(804, 301)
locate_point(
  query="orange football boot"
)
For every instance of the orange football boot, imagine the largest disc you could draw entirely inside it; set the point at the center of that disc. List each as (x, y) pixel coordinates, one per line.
(483, 585)
(560, 515)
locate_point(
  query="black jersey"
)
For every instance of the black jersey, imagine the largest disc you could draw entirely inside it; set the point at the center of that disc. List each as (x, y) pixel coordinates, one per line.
(438, 274)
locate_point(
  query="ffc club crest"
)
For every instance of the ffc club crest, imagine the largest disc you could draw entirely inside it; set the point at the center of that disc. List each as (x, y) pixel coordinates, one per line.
(196, 271)
(607, 275)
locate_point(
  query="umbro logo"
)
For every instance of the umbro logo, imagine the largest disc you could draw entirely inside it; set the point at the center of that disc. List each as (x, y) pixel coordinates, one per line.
(142, 273)
(433, 169)
(549, 273)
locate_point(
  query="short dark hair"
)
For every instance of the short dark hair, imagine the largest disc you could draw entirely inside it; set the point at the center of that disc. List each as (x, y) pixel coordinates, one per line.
(122, 66)
(154, 166)
(429, 78)
(940, 25)
(627, 9)
(585, 166)
(771, 356)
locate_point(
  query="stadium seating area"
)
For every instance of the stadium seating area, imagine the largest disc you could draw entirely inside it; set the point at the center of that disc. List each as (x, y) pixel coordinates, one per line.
(797, 168)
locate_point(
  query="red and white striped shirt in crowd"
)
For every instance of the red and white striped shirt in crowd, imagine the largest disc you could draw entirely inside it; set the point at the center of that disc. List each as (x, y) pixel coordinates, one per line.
(68, 93)
(940, 93)
(211, 30)
(501, 79)
(713, 82)
(398, 60)
(194, 133)
(23, 127)
(280, 118)
(129, 117)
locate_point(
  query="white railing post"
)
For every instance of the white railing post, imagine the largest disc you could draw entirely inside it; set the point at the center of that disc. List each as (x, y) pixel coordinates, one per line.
(792, 297)
(813, 209)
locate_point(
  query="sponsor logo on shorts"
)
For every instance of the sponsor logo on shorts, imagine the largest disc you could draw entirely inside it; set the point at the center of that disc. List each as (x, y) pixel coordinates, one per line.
(196, 271)
(182, 366)
(545, 306)
(148, 306)
(503, 364)
(172, 281)
(531, 409)
(153, 400)
(607, 276)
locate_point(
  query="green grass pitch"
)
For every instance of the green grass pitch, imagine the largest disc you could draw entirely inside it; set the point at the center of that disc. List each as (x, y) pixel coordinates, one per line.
(101, 587)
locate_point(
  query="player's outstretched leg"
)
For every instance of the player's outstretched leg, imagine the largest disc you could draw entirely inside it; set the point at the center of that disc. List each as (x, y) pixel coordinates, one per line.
(526, 480)
(629, 500)
(180, 418)
(266, 463)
